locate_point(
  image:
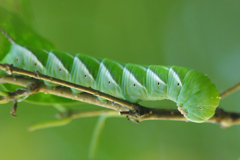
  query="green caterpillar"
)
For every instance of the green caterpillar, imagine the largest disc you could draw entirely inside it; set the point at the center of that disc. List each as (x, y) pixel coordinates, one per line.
(190, 89)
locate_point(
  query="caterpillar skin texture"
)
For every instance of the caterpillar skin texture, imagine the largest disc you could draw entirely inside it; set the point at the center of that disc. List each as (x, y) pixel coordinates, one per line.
(190, 89)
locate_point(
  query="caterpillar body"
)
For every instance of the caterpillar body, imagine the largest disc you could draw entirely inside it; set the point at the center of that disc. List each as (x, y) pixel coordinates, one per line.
(193, 91)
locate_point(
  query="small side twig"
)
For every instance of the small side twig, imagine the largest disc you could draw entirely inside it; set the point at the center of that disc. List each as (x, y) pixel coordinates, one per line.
(230, 90)
(21, 92)
(70, 117)
(6, 35)
(14, 109)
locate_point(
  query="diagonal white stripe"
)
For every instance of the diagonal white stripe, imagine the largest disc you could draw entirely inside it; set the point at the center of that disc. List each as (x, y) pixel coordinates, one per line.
(127, 73)
(155, 76)
(176, 76)
(53, 60)
(79, 67)
(103, 71)
(28, 56)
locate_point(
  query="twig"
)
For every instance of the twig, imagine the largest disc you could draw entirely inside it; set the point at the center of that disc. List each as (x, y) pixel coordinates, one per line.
(21, 92)
(62, 92)
(14, 70)
(230, 90)
(96, 136)
(50, 124)
(225, 119)
(7, 36)
(70, 117)
(14, 109)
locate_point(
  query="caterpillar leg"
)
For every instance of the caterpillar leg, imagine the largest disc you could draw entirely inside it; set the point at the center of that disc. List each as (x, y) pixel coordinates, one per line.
(184, 113)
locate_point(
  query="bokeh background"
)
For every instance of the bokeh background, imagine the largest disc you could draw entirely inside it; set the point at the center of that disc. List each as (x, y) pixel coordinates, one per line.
(202, 35)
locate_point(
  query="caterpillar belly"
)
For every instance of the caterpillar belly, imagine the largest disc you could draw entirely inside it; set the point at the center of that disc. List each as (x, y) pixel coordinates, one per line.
(191, 90)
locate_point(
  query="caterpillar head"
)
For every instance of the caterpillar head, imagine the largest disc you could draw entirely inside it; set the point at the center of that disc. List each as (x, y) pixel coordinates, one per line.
(198, 98)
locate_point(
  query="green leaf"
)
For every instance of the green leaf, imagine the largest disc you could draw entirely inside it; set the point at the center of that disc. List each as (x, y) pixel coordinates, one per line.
(10, 87)
(21, 7)
(48, 99)
(21, 32)
(24, 35)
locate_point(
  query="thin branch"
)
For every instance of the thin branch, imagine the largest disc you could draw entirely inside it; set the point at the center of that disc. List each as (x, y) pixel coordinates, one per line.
(62, 92)
(50, 124)
(21, 92)
(221, 117)
(230, 90)
(14, 109)
(70, 117)
(14, 70)
(225, 119)
(7, 36)
(96, 136)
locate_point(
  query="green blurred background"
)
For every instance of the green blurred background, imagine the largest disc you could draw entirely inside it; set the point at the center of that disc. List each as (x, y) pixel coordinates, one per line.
(202, 35)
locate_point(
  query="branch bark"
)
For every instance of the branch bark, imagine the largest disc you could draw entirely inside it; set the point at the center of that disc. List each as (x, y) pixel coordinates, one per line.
(221, 117)
(60, 91)
(225, 119)
(14, 70)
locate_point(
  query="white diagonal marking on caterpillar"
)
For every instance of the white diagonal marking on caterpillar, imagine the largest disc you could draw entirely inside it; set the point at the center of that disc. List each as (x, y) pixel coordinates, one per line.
(28, 57)
(142, 67)
(120, 65)
(96, 60)
(131, 77)
(176, 76)
(165, 67)
(78, 68)
(103, 70)
(54, 66)
(155, 76)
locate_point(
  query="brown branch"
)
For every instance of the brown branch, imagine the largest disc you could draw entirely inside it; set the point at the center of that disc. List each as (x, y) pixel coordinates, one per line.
(14, 109)
(225, 119)
(21, 92)
(221, 117)
(61, 91)
(14, 70)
